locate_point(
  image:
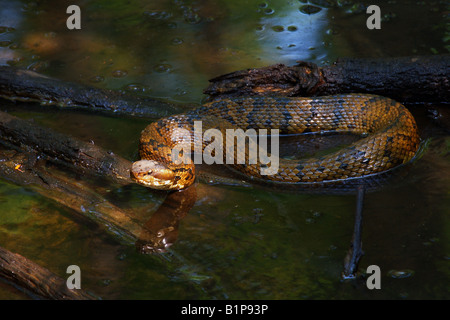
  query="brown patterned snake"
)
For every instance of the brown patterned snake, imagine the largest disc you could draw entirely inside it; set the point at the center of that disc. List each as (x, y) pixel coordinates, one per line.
(388, 130)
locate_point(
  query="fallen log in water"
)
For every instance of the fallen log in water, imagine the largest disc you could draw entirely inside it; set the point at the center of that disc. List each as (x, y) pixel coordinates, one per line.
(25, 85)
(84, 157)
(27, 150)
(33, 278)
(24, 163)
(35, 161)
(406, 79)
(415, 79)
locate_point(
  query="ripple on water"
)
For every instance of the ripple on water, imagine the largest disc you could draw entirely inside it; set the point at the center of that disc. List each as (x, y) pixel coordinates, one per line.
(400, 274)
(309, 9)
(269, 11)
(157, 15)
(136, 87)
(119, 73)
(163, 67)
(97, 79)
(177, 41)
(278, 28)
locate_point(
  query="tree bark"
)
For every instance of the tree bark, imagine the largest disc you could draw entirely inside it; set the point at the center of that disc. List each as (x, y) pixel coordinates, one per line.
(38, 280)
(28, 160)
(84, 157)
(418, 79)
(27, 166)
(25, 85)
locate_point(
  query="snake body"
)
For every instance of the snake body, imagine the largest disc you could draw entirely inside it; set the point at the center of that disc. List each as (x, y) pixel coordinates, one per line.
(389, 137)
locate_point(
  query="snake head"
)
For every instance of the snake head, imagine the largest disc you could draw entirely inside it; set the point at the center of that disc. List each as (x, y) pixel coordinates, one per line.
(153, 174)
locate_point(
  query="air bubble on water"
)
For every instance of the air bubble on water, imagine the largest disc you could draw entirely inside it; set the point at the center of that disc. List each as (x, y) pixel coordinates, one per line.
(356, 9)
(136, 87)
(5, 43)
(181, 92)
(106, 282)
(177, 41)
(310, 220)
(119, 73)
(157, 15)
(15, 61)
(400, 274)
(38, 66)
(122, 256)
(309, 9)
(332, 31)
(162, 68)
(278, 28)
(96, 79)
(172, 25)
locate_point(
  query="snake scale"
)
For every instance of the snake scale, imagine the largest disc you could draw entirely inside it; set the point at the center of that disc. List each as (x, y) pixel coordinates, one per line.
(388, 131)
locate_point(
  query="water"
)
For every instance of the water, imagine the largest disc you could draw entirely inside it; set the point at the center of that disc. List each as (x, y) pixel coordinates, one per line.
(237, 243)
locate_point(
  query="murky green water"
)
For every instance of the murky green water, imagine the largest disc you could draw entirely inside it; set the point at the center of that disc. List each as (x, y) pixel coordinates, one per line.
(237, 243)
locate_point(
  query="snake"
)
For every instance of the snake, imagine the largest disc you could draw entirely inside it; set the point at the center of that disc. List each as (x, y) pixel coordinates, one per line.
(388, 137)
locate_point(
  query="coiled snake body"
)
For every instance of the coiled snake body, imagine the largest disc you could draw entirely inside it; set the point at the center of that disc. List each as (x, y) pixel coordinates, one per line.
(388, 130)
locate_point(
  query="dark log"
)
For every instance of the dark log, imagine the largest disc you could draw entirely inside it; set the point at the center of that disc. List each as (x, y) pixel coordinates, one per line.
(25, 85)
(408, 79)
(38, 280)
(26, 167)
(85, 157)
(416, 79)
(21, 169)
(82, 157)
